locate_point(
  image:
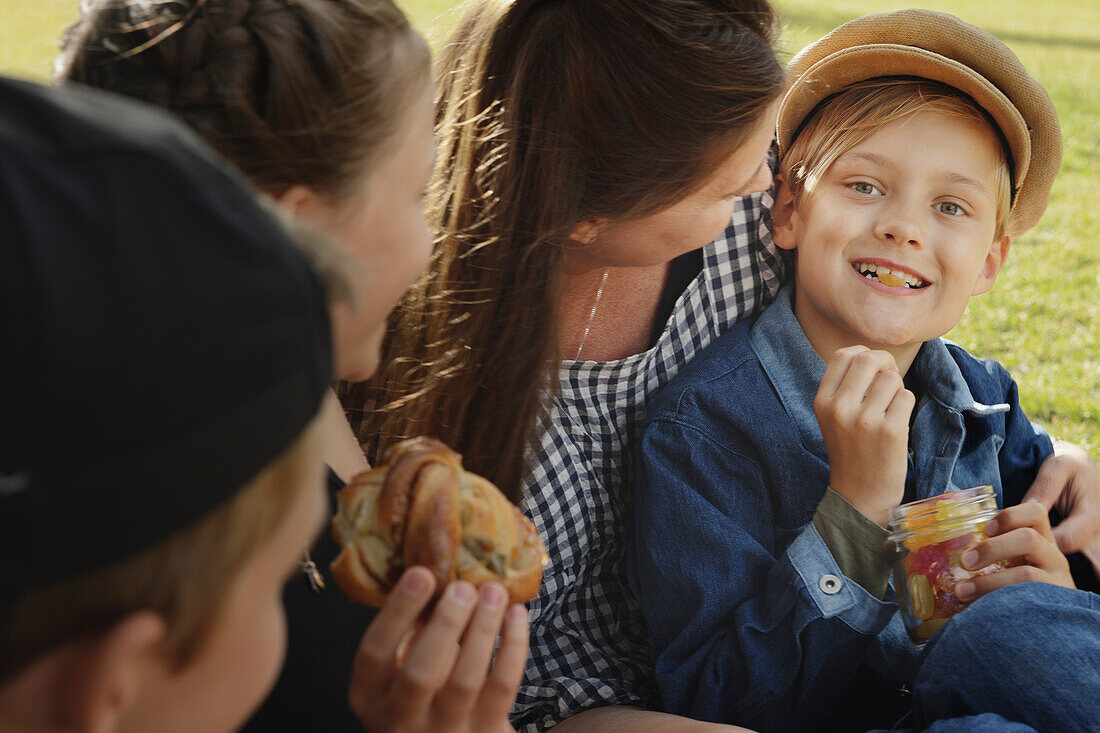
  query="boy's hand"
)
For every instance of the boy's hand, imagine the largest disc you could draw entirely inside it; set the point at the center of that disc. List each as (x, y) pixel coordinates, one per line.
(442, 681)
(1019, 534)
(863, 409)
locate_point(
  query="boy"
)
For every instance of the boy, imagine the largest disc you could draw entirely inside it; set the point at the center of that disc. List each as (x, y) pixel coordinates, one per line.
(165, 350)
(914, 147)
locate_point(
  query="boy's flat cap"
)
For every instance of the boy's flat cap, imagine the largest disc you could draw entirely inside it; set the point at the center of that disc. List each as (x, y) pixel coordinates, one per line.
(162, 338)
(940, 47)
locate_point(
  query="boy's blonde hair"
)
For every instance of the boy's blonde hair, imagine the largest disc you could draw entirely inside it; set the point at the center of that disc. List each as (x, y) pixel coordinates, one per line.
(185, 578)
(847, 119)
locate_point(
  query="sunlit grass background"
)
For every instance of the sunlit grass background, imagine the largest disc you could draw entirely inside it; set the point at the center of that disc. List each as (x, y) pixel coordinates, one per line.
(1042, 320)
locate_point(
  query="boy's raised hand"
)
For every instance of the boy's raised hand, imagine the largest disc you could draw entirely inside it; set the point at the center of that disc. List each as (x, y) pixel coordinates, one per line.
(1019, 534)
(438, 677)
(863, 409)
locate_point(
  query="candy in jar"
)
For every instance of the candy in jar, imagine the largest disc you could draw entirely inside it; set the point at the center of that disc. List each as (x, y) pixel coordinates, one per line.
(931, 536)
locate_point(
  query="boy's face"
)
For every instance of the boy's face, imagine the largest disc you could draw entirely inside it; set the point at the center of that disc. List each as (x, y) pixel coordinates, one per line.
(917, 198)
(238, 662)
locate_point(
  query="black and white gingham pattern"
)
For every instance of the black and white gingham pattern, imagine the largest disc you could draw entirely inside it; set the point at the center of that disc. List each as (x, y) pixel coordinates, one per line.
(588, 643)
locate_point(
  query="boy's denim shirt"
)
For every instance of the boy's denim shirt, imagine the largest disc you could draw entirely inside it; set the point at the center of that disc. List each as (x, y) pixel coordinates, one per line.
(751, 619)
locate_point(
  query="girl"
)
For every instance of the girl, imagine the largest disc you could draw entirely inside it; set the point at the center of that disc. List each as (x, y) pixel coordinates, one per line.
(326, 105)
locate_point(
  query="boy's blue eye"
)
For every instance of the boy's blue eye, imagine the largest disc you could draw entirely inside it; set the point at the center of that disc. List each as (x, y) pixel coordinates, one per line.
(951, 209)
(863, 187)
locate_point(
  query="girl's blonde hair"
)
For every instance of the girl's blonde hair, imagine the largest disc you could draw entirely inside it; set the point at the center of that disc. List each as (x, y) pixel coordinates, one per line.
(550, 113)
(185, 577)
(846, 119)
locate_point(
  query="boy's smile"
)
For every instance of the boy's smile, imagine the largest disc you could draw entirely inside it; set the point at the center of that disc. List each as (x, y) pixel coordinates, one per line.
(889, 274)
(897, 235)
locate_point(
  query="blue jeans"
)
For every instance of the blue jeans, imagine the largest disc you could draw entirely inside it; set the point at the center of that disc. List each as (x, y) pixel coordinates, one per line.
(1029, 653)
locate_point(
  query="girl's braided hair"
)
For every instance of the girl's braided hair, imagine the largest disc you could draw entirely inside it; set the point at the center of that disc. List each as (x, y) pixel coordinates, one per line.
(293, 92)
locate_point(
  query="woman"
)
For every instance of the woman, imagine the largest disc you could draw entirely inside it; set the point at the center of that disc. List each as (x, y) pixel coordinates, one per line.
(587, 150)
(326, 105)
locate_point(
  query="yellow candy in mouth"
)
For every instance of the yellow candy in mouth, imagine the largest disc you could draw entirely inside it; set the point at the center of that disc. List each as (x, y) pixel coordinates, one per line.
(891, 279)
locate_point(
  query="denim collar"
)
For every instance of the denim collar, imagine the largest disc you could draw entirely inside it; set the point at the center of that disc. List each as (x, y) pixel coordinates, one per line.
(796, 370)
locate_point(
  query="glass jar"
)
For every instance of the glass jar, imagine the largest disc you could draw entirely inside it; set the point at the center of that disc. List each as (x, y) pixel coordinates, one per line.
(931, 536)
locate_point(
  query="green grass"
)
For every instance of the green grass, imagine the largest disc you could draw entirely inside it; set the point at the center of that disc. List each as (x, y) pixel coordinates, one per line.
(1042, 319)
(29, 35)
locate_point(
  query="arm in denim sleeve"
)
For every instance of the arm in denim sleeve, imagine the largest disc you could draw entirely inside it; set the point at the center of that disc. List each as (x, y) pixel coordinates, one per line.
(1026, 445)
(858, 544)
(746, 628)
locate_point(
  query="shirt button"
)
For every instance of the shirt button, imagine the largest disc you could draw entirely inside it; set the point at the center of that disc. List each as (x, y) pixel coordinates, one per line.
(829, 584)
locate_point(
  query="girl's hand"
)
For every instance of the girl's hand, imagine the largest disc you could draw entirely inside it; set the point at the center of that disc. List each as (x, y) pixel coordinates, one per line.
(1019, 534)
(438, 678)
(863, 409)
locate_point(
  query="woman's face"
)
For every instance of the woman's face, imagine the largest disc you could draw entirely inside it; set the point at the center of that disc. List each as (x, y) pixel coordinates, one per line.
(693, 221)
(383, 225)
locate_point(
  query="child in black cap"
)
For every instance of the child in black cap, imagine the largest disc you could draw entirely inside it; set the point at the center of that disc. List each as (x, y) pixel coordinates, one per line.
(166, 349)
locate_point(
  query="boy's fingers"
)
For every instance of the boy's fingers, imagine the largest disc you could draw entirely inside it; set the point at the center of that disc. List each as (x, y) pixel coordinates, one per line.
(884, 389)
(982, 584)
(862, 372)
(837, 369)
(503, 681)
(461, 692)
(1029, 514)
(901, 407)
(1025, 543)
(432, 655)
(378, 648)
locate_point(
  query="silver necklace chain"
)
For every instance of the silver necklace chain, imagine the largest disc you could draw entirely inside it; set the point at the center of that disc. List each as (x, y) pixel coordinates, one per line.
(591, 315)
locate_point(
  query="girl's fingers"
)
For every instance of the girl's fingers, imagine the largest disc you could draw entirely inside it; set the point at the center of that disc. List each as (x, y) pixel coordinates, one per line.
(460, 693)
(499, 690)
(432, 655)
(377, 652)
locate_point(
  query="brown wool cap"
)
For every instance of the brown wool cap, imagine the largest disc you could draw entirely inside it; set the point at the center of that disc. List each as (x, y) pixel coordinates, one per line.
(940, 47)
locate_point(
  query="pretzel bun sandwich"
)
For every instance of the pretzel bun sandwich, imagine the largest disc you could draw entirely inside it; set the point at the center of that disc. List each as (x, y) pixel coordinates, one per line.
(422, 508)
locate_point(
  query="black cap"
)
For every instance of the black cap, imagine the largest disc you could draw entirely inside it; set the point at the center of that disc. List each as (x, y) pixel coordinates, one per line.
(161, 339)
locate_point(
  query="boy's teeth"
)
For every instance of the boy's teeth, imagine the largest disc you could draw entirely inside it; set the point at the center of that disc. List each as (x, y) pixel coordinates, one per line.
(886, 276)
(889, 278)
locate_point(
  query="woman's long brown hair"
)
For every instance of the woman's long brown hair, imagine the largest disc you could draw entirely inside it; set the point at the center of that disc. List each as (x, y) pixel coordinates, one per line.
(550, 113)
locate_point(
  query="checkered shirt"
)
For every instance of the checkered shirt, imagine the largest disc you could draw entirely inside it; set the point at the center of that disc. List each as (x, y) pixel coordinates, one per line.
(589, 646)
